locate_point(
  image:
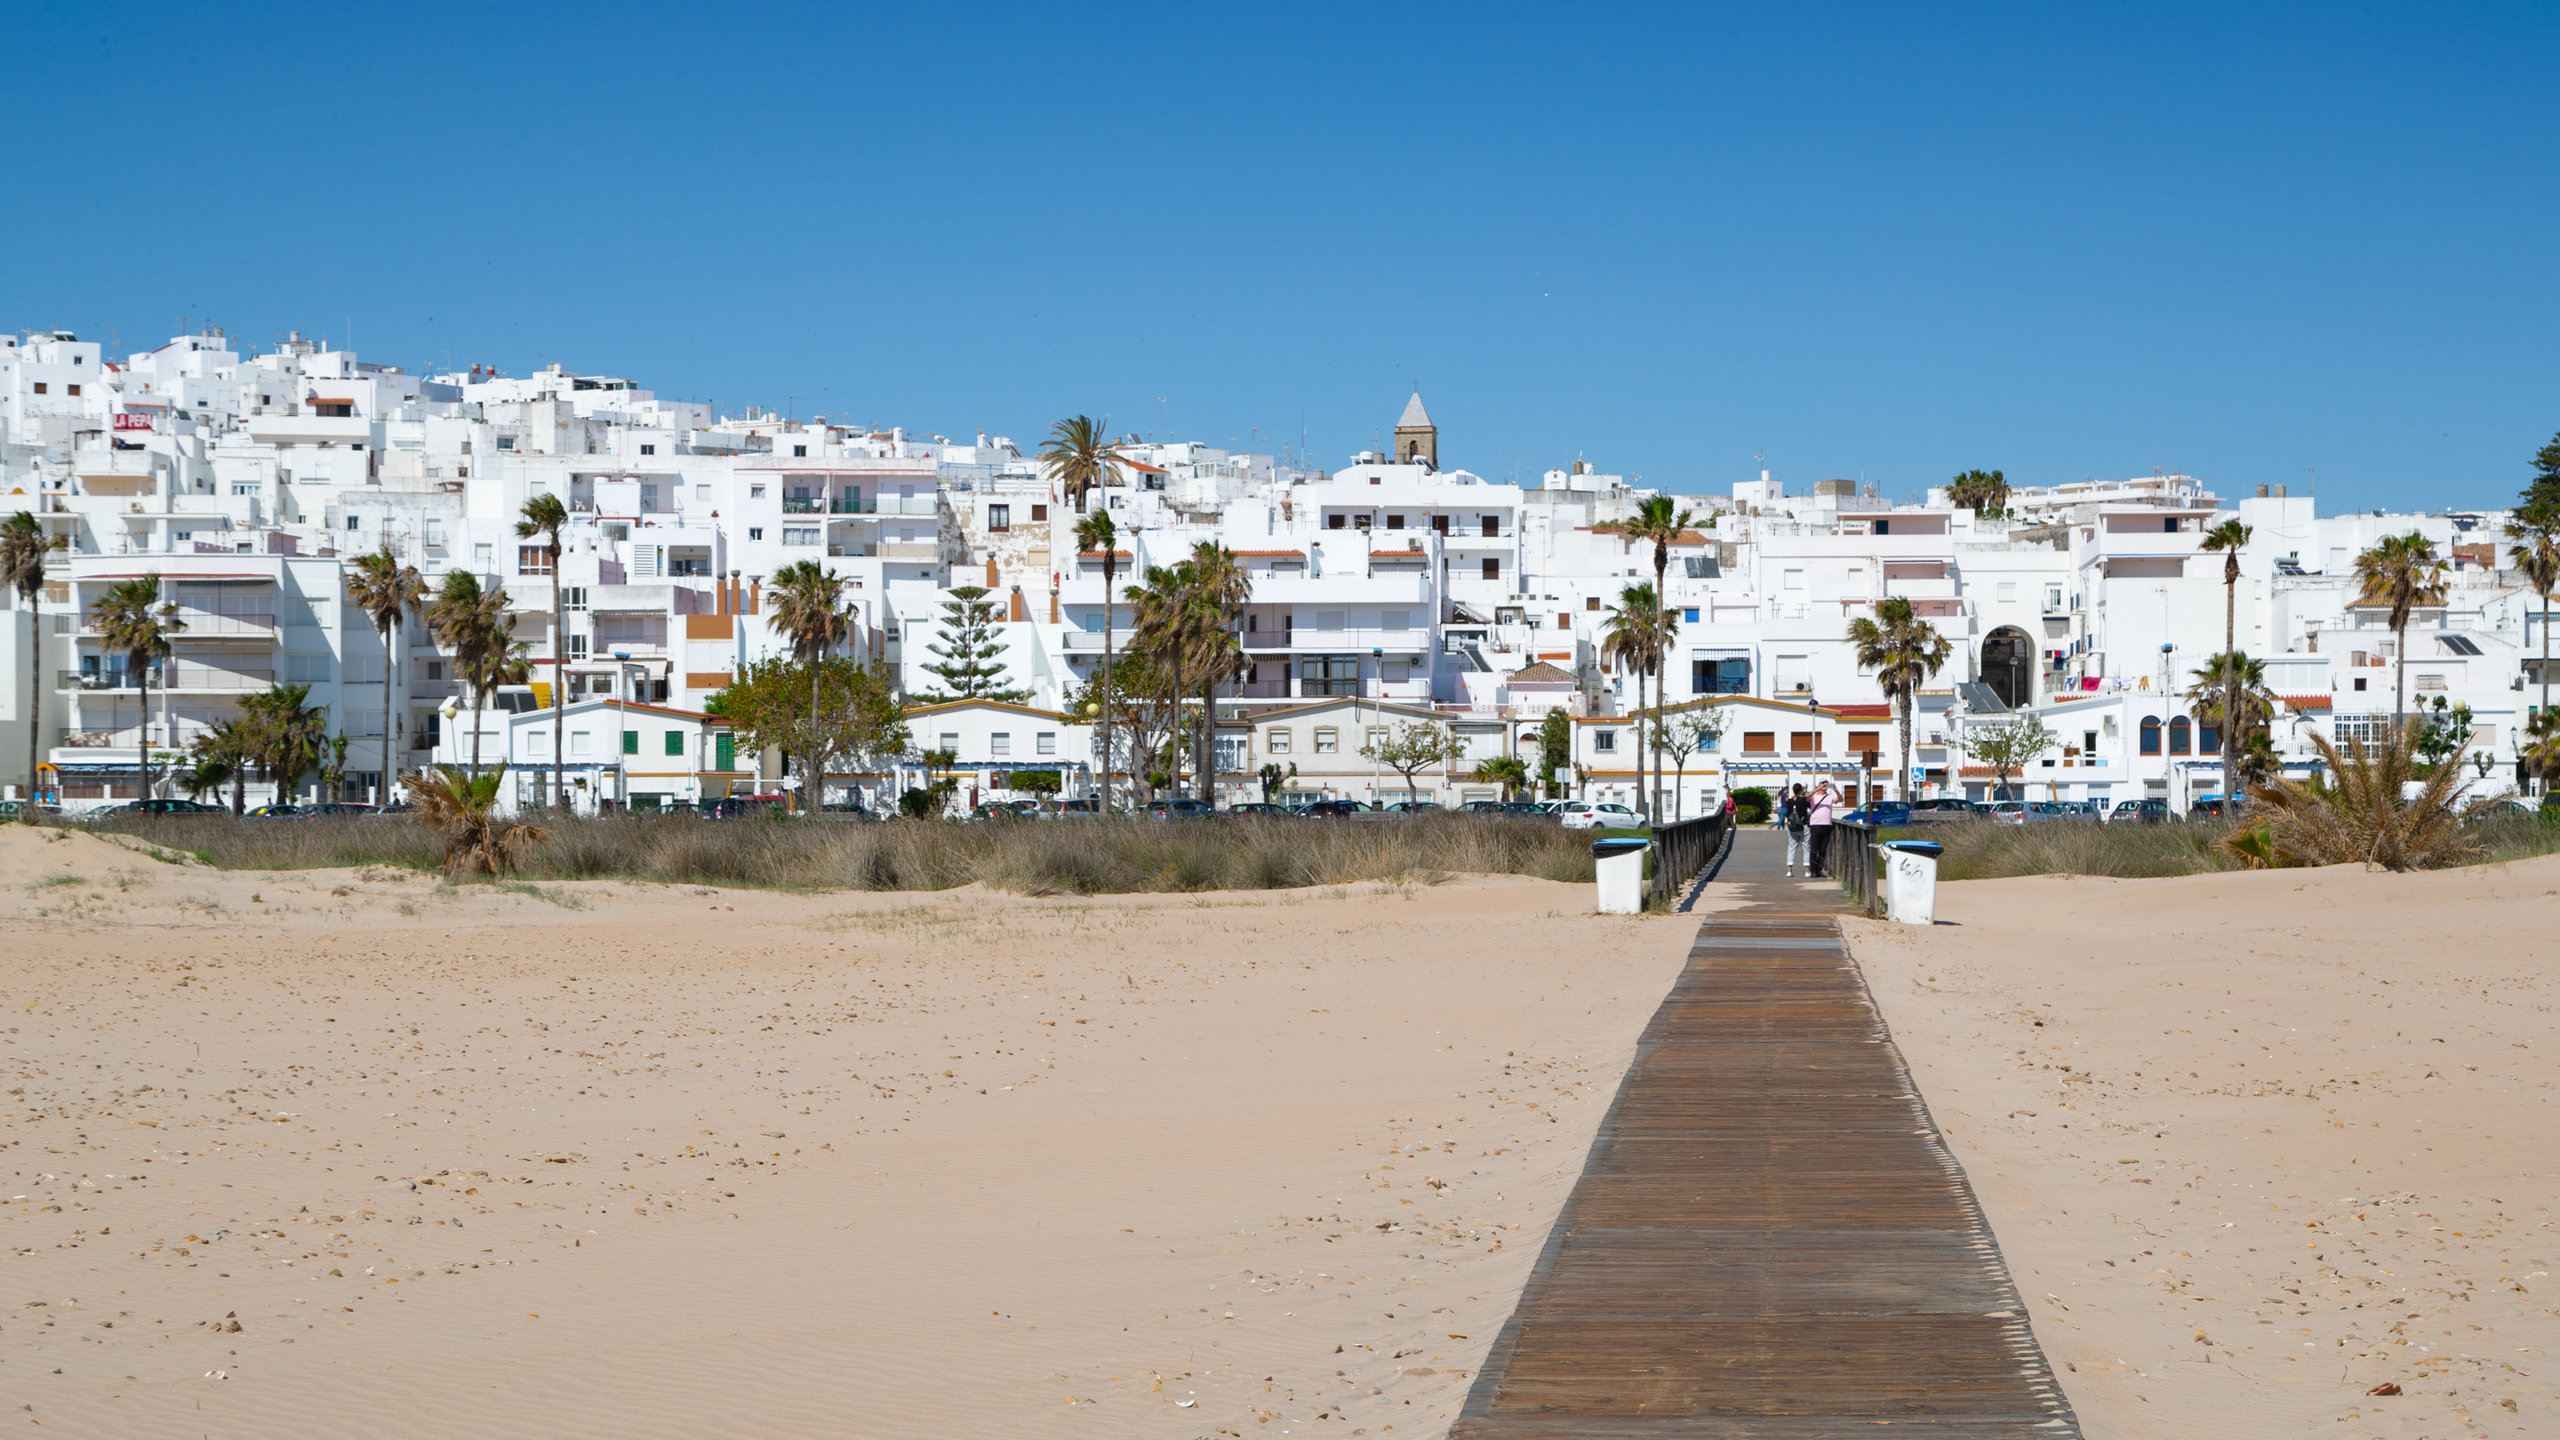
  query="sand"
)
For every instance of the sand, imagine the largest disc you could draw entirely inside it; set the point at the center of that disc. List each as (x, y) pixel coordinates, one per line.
(334, 1153)
(2254, 1144)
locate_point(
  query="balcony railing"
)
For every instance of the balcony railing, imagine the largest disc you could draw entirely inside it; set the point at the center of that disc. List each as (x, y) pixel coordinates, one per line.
(852, 505)
(800, 505)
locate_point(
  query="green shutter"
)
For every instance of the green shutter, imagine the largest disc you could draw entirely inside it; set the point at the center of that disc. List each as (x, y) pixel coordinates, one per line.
(630, 742)
(675, 742)
(726, 756)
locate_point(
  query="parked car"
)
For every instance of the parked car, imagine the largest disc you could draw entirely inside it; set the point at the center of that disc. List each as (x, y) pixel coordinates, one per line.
(1257, 807)
(17, 809)
(2146, 812)
(1601, 815)
(739, 807)
(269, 812)
(2008, 812)
(1410, 807)
(844, 810)
(1086, 806)
(159, 807)
(1882, 814)
(1485, 807)
(2066, 809)
(1330, 809)
(1176, 809)
(2205, 805)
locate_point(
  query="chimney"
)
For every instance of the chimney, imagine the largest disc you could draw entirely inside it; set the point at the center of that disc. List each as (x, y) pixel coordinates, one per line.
(2262, 492)
(2279, 492)
(755, 595)
(991, 572)
(1020, 611)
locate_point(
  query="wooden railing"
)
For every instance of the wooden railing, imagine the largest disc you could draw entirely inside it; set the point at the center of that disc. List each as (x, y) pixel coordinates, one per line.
(1853, 860)
(1682, 849)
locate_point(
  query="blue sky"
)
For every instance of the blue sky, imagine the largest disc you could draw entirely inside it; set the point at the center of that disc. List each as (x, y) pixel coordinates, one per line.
(2251, 243)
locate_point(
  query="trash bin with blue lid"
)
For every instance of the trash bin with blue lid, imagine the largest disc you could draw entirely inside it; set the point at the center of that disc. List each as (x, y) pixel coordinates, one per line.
(1911, 880)
(1619, 864)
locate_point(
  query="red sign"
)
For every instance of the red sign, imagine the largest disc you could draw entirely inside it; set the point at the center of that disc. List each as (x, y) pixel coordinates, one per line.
(127, 420)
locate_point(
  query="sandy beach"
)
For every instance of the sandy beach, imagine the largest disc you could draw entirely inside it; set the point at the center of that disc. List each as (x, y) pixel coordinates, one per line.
(325, 1153)
(2255, 1144)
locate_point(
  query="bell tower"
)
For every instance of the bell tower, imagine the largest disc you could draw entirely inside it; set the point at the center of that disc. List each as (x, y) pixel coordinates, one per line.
(1417, 439)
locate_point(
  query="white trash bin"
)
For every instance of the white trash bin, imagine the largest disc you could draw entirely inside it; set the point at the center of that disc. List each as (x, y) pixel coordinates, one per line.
(1910, 880)
(1620, 864)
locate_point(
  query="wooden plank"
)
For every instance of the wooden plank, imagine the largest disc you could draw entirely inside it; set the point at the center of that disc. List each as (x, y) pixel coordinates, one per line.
(1770, 1240)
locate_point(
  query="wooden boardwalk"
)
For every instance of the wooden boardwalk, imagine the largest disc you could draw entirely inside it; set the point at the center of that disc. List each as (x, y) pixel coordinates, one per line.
(1770, 1240)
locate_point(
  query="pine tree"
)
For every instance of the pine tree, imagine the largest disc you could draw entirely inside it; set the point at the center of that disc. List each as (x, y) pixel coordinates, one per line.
(972, 659)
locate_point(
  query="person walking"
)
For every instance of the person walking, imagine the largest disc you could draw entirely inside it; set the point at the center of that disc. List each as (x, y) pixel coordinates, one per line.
(1818, 820)
(1795, 812)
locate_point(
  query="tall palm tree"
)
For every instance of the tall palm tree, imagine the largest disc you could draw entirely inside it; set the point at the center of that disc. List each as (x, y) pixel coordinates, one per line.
(232, 746)
(132, 617)
(1631, 635)
(1165, 629)
(290, 735)
(2535, 531)
(386, 589)
(2230, 692)
(808, 608)
(23, 546)
(1659, 519)
(1221, 588)
(476, 626)
(2228, 539)
(545, 516)
(1904, 651)
(2403, 572)
(1079, 457)
(1096, 532)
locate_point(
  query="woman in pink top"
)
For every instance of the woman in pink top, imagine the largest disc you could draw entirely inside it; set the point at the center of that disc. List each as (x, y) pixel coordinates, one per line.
(1823, 798)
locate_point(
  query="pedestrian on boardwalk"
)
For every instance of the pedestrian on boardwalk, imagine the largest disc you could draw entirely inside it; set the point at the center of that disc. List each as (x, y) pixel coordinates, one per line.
(1796, 813)
(1824, 801)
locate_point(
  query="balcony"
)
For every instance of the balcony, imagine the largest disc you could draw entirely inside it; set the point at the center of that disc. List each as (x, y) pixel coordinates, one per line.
(1402, 642)
(853, 505)
(801, 505)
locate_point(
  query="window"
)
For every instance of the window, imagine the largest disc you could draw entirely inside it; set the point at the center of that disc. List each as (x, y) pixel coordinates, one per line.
(1604, 741)
(755, 492)
(352, 523)
(2052, 599)
(755, 532)
(999, 517)
(2370, 729)
(1882, 527)
(483, 555)
(1329, 619)
(675, 742)
(1591, 602)
(577, 744)
(2181, 736)
(1328, 740)
(799, 534)
(71, 389)
(948, 741)
(530, 559)
(1395, 522)
(1804, 742)
(648, 449)
(460, 472)
(577, 647)
(1791, 580)
(2359, 682)
(1331, 522)
(506, 442)
(1376, 738)
(1232, 753)
(307, 669)
(2170, 526)
(1395, 620)
(1491, 524)
(2008, 591)
(1039, 513)
(2088, 742)
(2150, 734)
(1689, 615)
(1862, 742)
(1564, 620)
(1440, 523)
(1275, 741)
(2208, 738)
(800, 451)
(573, 597)
(39, 387)
(1329, 675)
(1492, 568)
(1045, 743)
(1362, 522)
(537, 744)
(2425, 681)
(630, 742)
(1759, 742)
(1394, 672)
(1000, 742)
(724, 751)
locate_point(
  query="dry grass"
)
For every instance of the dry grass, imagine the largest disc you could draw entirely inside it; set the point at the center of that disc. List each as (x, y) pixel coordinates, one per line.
(1991, 852)
(1085, 857)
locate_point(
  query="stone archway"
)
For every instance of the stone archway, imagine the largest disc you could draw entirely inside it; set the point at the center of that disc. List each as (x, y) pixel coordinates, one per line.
(2008, 666)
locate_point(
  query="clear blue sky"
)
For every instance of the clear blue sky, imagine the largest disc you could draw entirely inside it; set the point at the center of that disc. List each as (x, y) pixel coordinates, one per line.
(2245, 242)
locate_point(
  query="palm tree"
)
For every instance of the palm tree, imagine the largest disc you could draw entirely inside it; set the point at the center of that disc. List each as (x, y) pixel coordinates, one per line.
(1904, 651)
(1632, 636)
(2228, 539)
(23, 546)
(1984, 492)
(545, 516)
(475, 625)
(1096, 532)
(463, 807)
(291, 735)
(1221, 588)
(2535, 529)
(2230, 692)
(132, 617)
(231, 746)
(386, 589)
(808, 608)
(2404, 573)
(1080, 459)
(1165, 629)
(2538, 754)
(1660, 520)
(1508, 771)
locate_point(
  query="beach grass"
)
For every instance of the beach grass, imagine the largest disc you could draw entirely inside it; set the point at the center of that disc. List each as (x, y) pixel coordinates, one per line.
(1984, 851)
(1082, 857)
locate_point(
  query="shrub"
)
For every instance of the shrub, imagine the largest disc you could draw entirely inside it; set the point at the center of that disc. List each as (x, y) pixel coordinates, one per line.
(2363, 811)
(1751, 805)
